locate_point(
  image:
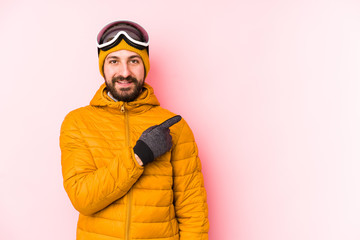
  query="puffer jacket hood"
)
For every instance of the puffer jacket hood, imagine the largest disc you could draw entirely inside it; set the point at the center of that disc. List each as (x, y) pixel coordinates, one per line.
(143, 102)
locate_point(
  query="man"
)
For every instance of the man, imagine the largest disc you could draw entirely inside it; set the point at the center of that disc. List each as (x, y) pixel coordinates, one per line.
(130, 167)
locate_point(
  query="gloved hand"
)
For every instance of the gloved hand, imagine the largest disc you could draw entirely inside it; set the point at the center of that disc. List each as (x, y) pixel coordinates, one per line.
(155, 141)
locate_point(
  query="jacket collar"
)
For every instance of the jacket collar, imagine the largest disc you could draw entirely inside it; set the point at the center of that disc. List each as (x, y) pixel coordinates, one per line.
(142, 103)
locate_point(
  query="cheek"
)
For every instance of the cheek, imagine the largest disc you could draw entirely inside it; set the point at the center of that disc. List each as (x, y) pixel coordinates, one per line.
(107, 77)
(108, 72)
(139, 73)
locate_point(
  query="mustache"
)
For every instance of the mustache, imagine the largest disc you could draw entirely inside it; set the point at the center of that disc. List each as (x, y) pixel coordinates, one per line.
(121, 78)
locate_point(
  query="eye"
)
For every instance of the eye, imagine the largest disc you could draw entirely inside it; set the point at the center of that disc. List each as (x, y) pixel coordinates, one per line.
(134, 61)
(113, 61)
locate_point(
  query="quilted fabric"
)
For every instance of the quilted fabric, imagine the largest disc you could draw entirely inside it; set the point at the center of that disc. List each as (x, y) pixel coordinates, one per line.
(115, 196)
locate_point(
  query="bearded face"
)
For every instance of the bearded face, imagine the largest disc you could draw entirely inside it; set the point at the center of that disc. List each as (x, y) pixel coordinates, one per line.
(124, 73)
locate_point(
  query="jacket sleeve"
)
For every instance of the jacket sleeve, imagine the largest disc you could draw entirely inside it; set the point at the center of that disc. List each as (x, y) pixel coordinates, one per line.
(189, 193)
(89, 188)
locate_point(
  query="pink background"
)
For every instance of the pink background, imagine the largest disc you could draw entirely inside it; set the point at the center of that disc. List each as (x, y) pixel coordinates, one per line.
(269, 87)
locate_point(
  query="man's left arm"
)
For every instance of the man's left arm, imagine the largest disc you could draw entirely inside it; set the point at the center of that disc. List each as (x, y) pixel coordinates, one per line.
(189, 193)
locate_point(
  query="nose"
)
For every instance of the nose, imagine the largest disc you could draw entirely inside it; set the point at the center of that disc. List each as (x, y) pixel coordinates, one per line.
(124, 70)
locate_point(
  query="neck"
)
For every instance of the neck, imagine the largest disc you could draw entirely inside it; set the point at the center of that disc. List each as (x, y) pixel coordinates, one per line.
(112, 97)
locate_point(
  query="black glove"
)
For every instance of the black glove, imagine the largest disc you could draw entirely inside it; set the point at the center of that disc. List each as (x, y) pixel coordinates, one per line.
(155, 141)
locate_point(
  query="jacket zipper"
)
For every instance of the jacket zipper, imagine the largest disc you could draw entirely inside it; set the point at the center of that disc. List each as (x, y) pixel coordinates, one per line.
(127, 139)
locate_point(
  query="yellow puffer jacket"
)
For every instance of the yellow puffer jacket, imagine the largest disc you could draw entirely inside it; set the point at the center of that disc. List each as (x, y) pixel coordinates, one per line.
(116, 197)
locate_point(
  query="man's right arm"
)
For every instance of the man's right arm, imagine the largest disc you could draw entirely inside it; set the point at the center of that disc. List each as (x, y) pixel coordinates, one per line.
(89, 188)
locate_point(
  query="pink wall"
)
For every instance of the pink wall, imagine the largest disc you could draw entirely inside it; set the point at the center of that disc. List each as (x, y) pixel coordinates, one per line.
(270, 89)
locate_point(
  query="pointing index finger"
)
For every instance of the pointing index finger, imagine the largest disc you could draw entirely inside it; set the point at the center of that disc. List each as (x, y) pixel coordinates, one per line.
(171, 121)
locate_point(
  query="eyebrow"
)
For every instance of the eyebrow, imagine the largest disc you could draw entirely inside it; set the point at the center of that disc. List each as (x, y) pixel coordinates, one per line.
(108, 57)
(116, 57)
(135, 56)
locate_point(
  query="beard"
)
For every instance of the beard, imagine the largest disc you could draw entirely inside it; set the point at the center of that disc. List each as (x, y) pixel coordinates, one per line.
(127, 94)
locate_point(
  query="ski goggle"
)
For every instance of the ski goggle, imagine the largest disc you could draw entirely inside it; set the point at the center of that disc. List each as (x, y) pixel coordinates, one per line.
(112, 34)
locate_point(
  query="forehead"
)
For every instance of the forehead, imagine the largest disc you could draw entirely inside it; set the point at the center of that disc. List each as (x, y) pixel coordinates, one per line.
(123, 54)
